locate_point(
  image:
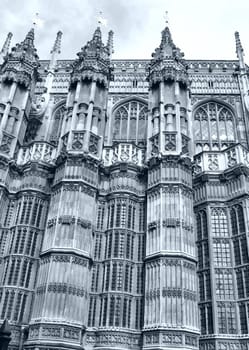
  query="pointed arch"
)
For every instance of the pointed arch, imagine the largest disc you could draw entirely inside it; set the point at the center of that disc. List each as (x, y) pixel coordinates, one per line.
(57, 119)
(215, 125)
(129, 120)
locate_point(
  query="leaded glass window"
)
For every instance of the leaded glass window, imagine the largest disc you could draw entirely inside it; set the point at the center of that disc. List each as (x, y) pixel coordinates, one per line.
(243, 319)
(214, 127)
(201, 225)
(237, 220)
(219, 223)
(221, 252)
(130, 122)
(224, 285)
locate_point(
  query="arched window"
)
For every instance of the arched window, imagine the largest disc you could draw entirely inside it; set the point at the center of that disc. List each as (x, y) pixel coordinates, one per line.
(57, 124)
(130, 122)
(214, 127)
(237, 220)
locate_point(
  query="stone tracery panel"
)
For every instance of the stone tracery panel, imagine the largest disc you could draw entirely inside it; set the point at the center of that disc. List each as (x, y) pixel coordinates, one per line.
(214, 127)
(129, 122)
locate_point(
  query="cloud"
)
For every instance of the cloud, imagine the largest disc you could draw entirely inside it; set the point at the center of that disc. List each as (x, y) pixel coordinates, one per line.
(202, 29)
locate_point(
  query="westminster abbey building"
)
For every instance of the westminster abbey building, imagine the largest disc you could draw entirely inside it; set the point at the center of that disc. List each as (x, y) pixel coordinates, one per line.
(124, 199)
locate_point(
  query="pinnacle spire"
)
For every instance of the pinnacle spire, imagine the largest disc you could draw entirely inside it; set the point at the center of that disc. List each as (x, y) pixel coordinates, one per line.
(97, 36)
(6, 45)
(57, 44)
(110, 42)
(94, 58)
(28, 61)
(239, 48)
(29, 39)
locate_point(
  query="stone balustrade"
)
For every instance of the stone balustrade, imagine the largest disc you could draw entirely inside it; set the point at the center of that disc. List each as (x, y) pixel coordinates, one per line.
(123, 152)
(37, 152)
(219, 161)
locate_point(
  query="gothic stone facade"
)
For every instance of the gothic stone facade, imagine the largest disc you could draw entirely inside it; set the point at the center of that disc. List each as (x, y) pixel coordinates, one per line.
(124, 199)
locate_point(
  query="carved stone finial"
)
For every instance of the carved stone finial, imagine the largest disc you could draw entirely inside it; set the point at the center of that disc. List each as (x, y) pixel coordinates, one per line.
(110, 42)
(97, 36)
(239, 48)
(28, 62)
(94, 60)
(57, 44)
(6, 45)
(29, 39)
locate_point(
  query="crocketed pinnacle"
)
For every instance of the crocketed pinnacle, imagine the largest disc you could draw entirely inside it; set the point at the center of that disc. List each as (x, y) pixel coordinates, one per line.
(6, 45)
(29, 39)
(22, 62)
(95, 47)
(57, 44)
(110, 42)
(239, 48)
(239, 51)
(167, 62)
(97, 36)
(94, 59)
(26, 49)
(167, 48)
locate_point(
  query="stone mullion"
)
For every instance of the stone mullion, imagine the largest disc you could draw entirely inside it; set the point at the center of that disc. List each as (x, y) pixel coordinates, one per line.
(137, 121)
(235, 290)
(89, 115)
(74, 114)
(110, 121)
(161, 115)
(20, 211)
(34, 234)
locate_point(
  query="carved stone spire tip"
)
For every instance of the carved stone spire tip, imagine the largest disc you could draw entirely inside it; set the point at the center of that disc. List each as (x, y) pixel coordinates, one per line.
(6, 44)
(57, 44)
(110, 42)
(238, 42)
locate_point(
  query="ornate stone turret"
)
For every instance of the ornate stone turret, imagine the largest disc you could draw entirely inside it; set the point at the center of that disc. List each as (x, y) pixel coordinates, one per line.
(5, 48)
(87, 99)
(62, 297)
(243, 71)
(22, 62)
(171, 314)
(19, 75)
(169, 121)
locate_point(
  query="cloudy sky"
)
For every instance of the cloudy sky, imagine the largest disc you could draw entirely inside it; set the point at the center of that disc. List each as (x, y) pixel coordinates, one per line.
(202, 29)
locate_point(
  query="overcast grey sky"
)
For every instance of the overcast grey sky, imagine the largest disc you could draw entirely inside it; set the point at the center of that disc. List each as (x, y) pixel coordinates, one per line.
(202, 29)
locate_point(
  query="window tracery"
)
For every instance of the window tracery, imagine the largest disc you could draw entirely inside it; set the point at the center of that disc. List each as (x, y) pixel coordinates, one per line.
(130, 122)
(57, 124)
(214, 127)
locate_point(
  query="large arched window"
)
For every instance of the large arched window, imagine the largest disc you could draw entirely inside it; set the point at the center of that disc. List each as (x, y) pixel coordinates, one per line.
(130, 120)
(214, 127)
